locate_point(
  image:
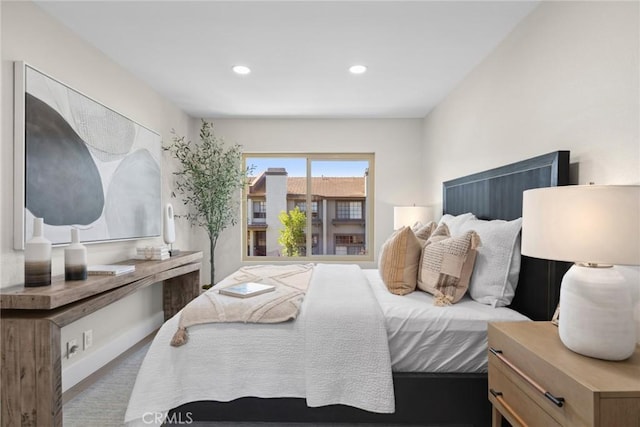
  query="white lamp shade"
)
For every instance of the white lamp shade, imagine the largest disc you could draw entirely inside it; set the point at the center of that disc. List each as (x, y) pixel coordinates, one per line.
(409, 215)
(583, 223)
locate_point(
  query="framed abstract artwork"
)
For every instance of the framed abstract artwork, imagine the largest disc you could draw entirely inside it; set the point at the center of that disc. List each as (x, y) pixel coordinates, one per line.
(81, 164)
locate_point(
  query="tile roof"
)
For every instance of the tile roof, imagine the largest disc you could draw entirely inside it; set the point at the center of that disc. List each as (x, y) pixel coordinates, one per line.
(325, 187)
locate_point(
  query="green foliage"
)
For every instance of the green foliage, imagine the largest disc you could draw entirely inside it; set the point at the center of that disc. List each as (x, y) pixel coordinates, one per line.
(208, 181)
(292, 235)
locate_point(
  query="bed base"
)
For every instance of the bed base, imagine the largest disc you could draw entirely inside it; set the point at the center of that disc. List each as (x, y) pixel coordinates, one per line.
(439, 399)
(421, 399)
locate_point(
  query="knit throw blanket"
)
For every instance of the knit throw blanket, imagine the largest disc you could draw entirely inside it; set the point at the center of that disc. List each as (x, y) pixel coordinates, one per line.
(280, 305)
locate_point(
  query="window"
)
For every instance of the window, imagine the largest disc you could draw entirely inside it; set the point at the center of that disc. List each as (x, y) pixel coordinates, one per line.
(350, 244)
(257, 243)
(349, 210)
(259, 210)
(303, 207)
(357, 239)
(314, 246)
(339, 189)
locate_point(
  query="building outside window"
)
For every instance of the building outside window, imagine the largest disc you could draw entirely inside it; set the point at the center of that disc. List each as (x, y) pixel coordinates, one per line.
(337, 186)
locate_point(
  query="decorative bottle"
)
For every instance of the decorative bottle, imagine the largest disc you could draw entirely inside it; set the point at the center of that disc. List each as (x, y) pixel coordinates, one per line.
(75, 259)
(37, 258)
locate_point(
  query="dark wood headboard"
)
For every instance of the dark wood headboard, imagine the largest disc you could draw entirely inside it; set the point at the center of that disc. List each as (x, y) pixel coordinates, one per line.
(497, 194)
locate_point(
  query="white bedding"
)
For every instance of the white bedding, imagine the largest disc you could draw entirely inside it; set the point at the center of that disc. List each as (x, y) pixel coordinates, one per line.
(427, 338)
(225, 361)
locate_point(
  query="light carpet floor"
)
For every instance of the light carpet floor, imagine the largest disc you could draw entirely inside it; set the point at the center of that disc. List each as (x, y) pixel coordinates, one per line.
(105, 402)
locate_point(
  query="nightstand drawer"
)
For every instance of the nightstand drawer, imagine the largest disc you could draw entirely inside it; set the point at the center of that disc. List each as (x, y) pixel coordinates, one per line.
(515, 404)
(537, 377)
(530, 362)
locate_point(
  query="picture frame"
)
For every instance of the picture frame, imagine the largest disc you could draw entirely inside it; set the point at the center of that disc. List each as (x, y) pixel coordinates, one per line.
(81, 164)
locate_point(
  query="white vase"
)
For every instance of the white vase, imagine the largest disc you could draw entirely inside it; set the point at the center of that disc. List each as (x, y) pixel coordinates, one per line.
(596, 313)
(37, 258)
(169, 229)
(75, 259)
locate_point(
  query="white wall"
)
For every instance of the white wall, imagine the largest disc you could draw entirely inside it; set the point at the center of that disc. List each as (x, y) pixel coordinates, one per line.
(565, 78)
(398, 170)
(30, 35)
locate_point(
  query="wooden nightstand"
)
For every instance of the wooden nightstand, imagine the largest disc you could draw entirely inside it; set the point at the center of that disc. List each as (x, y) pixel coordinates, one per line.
(534, 380)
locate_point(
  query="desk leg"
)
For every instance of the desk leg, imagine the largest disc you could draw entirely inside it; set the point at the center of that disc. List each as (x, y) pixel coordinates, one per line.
(31, 379)
(178, 291)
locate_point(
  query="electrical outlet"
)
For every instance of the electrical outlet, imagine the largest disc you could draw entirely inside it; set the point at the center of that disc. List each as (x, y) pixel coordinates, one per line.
(72, 348)
(88, 338)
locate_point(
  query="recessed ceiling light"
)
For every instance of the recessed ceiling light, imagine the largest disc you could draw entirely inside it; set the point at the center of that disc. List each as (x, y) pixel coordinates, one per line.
(241, 69)
(357, 69)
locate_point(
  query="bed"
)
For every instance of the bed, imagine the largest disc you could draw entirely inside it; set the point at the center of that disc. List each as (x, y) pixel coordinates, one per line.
(456, 393)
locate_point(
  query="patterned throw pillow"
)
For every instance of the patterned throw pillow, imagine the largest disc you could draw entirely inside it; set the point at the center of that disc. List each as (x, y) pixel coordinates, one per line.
(440, 233)
(446, 265)
(424, 231)
(398, 263)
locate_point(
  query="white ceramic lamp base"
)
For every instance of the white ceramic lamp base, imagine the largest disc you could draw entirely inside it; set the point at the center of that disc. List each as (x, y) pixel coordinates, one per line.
(596, 313)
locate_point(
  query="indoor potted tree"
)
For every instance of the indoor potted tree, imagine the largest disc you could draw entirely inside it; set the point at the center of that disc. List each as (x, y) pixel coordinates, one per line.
(210, 176)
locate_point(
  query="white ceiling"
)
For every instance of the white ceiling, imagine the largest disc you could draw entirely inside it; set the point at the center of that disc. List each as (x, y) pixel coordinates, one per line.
(299, 51)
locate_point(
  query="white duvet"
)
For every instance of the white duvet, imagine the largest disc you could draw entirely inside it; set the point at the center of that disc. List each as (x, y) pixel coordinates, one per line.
(427, 338)
(336, 352)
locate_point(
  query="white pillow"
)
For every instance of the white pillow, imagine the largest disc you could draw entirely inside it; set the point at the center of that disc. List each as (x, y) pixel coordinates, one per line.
(497, 267)
(455, 222)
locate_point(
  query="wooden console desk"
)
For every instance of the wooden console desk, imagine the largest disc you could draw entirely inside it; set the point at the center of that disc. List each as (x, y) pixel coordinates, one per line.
(31, 320)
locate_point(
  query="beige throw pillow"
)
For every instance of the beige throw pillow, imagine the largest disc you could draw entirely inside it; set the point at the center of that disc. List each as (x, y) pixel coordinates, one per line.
(424, 231)
(398, 263)
(440, 233)
(446, 265)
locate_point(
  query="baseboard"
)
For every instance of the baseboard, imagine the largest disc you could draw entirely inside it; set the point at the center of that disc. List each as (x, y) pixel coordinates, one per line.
(92, 362)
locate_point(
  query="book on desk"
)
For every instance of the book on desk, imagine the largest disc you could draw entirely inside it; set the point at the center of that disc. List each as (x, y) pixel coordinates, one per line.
(110, 269)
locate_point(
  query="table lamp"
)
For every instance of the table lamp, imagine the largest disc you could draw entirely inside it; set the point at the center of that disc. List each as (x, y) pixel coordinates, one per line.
(409, 215)
(596, 227)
